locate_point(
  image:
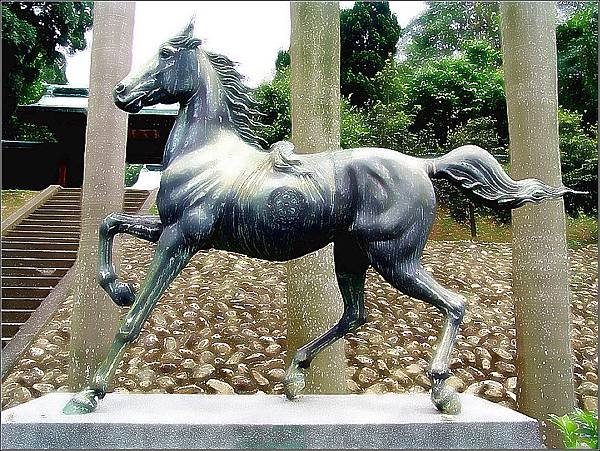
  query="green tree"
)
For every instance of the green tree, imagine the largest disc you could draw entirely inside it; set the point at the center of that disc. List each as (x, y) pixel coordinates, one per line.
(444, 28)
(274, 102)
(443, 94)
(577, 46)
(32, 34)
(283, 60)
(369, 33)
(578, 143)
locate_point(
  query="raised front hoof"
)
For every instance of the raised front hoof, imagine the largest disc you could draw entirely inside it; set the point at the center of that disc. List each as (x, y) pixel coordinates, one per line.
(293, 384)
(83, 402)
(446, 400)
(123, 293)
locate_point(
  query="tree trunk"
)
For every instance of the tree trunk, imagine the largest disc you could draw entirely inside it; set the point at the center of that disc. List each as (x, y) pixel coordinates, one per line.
(472, 222)
(313, 298)
(540, 265)
(95, 317)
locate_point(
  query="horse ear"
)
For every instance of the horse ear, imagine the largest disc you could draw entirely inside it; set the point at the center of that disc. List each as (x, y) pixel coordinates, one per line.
(189, 29)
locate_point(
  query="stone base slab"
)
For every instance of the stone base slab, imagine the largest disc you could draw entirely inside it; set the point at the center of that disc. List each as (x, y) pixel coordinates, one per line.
(266, 421)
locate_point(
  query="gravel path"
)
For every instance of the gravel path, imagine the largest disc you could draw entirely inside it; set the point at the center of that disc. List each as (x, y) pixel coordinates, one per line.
(221, 328)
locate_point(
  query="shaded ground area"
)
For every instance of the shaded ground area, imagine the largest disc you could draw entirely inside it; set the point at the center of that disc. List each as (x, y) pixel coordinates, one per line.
(13, 199)
(580, 231)
(220, 328)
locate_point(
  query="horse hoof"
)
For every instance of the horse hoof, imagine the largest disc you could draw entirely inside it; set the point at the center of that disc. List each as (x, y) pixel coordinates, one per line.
(293, 384)
(83, 402)
(123, 294)
(446, 401)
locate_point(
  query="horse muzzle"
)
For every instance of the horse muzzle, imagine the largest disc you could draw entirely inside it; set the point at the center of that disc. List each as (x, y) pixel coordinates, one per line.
(131, 102)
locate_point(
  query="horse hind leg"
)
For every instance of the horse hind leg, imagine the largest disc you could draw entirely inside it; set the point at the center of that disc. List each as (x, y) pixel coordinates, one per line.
(148, 228)
(408, 276)
(350, 268)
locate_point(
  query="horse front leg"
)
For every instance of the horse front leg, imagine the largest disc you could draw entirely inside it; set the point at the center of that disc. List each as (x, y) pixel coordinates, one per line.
(148, 228)
(172, 254)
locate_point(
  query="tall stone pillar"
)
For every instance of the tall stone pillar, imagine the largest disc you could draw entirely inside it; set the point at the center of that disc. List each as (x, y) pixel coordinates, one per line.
(95, 317)
(313, 298)
(540, 265)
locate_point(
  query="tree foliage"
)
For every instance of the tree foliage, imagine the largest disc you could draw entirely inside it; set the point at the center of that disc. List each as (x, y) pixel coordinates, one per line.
(369, 33)
(32, 34)
(449, 91)
(577, 47)
(579, 161)
(274, 102)
(443, 94)
(445, 27)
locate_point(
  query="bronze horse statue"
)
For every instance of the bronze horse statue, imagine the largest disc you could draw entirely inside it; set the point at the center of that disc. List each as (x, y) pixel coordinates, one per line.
(221, 190)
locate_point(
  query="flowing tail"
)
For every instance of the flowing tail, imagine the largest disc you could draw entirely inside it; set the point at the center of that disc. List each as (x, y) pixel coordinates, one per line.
(476, 171)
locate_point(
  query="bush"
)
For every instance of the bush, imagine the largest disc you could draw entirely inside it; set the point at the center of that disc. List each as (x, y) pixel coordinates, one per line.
(132, 172)
(579, 162)
(274, 102)
(355, 128)
(579, 428)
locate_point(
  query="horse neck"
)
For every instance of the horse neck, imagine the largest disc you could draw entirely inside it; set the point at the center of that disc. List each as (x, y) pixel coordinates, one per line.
(199, 122)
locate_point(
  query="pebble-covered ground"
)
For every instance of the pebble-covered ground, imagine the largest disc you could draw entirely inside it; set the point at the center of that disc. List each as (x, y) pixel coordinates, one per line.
(221, 328)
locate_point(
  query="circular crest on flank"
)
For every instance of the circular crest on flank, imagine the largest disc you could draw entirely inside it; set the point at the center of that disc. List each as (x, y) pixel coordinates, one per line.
(287, 206)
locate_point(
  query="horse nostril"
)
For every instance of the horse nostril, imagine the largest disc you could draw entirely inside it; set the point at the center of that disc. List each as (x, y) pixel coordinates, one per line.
(119, 88)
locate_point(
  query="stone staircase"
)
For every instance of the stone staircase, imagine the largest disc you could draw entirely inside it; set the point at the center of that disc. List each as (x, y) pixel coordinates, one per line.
(39, 250)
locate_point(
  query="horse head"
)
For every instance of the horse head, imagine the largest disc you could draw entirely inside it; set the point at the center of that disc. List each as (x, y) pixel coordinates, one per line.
(172, 75)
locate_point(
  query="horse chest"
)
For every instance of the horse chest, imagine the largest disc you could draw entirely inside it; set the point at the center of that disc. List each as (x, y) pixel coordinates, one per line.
(192, 184)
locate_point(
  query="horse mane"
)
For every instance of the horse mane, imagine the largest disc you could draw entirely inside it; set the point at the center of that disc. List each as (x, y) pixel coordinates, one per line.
(241, 106)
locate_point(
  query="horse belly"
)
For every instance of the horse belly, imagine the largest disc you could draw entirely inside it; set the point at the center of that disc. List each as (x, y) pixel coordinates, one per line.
(279, 222)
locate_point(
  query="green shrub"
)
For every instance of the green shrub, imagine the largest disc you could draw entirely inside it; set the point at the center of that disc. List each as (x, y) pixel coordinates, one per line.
(579, 428)
(579, 162)
(132, 172)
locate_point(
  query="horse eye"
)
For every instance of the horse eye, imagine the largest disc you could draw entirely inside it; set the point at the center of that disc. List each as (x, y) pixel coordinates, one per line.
(165, 54)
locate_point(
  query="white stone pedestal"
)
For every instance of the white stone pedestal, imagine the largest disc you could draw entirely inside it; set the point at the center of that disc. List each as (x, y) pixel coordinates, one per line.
(266, 421)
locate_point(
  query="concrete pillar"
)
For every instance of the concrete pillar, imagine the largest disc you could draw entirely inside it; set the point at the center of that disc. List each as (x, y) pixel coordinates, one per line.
(313, 298)
(540, 264)
(95, 317)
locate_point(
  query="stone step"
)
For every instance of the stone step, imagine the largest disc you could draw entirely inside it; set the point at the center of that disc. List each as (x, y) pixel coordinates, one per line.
(45, 234)
(53, 217)
(46, 228)
(48, 245)
(15, 315)
(26, 292)
(38, 263)
(42, 239)
(24, 271)
(40, 281)
(19, 303)
(10, 329)
(52, 222)
(59, 211)
(38, 253)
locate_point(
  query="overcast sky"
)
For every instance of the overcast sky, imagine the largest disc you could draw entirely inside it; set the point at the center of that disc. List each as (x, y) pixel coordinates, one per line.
(249, 32)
